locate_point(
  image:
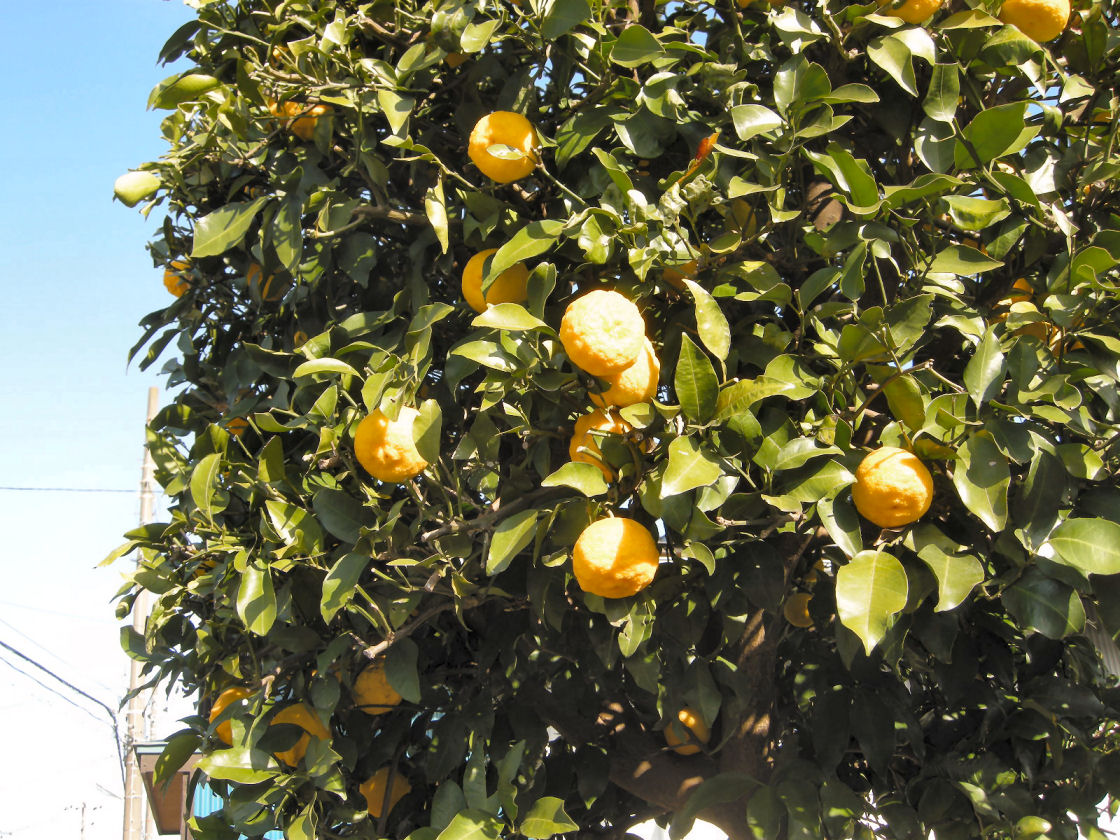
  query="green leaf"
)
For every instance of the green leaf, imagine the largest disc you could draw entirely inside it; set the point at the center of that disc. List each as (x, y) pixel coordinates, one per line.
(751, 120)
(586, 478)
(284, 234)
(340, 582)
(840, 519)
(256, 599)
(563, 16)
(473, 825)
(1043, 605)
(435, 208)
(904, 398)
(985, 371)
(179, 747)
(958, 571)
(1092, 546)
(173, 92)
(325, 365)
(943, 93)
(715, 790)
(546, 818)
(477, 35)
(711, 323)
(295, 526)
(239, 764)
(635, 47)
(401, 669)
(395, 107)
(972, 213)
(982, 476)
(427, 429)
(204, 482)
(695, 382)
(689, 467)
(738, 397)
(962, 260)
(870, 590)
(509, 316)
(893, 55)
(218, 232)
(510, 536)
(531, 241)
(994, 133)
(340, 513)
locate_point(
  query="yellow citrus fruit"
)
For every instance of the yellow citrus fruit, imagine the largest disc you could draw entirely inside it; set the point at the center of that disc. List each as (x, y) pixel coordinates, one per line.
(683, 733)
(236, 426)
(385, 447)
(914, 11)
(675, 275)
(271, 289)
(509, 287)
(503, 145)
(615, 558)
(796, 609)
(301, 118)
(374, 790)
(305, 718)
(173, 277)
(1023, 286)
(223, 701)
(634, 384)
(583, 446)
(453, 60)
(299, 337)
(372, 692)
(893, 487)
(1042, 20)
(602, 332)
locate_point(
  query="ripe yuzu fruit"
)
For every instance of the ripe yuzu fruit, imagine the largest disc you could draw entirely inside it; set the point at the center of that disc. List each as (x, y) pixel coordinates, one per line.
(372, 692)
(615, 558)
(385, 447)
(1040, 20)
(583, 446)
(301, 715)
(683, 733)
(796, 609)
(511, 286)
(914, 11)
(508, 129)
(374, 790)
(174, 279)
(634, 384)
(602, 332)
(892, 488)
(223, 701)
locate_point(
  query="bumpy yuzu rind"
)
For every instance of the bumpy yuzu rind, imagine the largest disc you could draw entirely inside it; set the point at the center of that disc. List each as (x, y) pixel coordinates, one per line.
(503, 128)
(372, 692)
(915, 11)
(796, 609)
(677, 732)
(1041, 20)
(385, 447)
(602, 332)
(615, 558)
(634, 384)
(511, 286)
(892, 488)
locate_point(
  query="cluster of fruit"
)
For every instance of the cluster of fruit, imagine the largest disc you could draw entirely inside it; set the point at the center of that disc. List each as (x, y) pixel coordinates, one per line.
(372, 694)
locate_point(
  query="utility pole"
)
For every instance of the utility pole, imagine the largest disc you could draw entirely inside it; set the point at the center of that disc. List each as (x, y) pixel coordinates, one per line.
(135, 802)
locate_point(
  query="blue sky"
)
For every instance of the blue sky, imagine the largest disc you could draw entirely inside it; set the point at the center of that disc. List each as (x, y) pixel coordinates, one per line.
(75, 280)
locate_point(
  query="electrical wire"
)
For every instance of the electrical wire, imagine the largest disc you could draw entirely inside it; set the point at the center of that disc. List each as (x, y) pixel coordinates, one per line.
(51, 653)
(74, 688)
(67, 490)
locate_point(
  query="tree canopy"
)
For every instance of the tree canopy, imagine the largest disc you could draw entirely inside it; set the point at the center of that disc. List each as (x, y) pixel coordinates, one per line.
(841, 230)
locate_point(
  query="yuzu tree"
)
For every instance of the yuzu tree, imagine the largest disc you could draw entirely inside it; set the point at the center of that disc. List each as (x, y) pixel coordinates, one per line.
(858, 200)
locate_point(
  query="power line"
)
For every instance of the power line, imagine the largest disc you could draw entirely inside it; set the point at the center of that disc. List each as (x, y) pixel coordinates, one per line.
(49, 652)
(74, 688)
(51, 689)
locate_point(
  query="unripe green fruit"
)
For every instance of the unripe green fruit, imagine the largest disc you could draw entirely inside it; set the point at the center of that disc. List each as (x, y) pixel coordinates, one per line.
(133, 187)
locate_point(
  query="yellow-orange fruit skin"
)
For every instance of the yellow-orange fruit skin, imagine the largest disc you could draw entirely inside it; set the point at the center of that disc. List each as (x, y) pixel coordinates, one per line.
(677, 732)
(503, 128)
(302, 716)
(584, 448)
(1040, 20)
(385, 448)
(615, 558)
(372, 692)
(373, 789)
(602, 332)
(634, 384)
(224, 730)
(511, 286)
(892, 488)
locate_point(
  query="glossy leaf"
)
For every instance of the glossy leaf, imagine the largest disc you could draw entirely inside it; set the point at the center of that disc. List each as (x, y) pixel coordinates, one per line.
(711, 323)
(870, 590)
(695, 382)
(690, 466)
(1091, 546)
(224, 228)
(256, 599)
(510, 536)
(982, 476)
